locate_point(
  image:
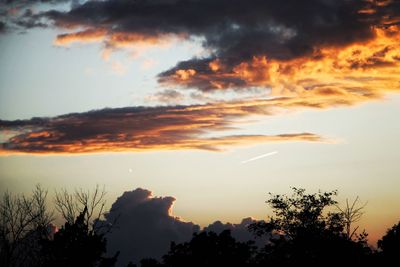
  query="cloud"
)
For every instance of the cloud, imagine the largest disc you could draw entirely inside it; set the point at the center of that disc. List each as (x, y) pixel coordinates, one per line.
(321, 45)
(239, 231)
(144, 128)
(305, 54)
(113, 40)
(371, 66)
(145, 226)
(91, 35)
(237, 30)
(18, 14)
(167, 96)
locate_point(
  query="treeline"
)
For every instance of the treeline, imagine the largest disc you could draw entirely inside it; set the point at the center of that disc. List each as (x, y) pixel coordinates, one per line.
(306, 230)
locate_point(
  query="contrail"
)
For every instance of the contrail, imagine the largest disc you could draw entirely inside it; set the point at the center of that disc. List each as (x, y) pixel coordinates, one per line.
(260, 157)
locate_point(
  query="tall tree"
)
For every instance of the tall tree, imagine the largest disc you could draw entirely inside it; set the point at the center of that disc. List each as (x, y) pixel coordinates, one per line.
(306, 232)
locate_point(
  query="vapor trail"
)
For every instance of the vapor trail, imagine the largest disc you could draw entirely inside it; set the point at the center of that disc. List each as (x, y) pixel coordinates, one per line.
(260, 157)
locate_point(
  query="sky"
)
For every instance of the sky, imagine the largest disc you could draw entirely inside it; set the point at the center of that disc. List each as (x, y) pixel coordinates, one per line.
(173, 96)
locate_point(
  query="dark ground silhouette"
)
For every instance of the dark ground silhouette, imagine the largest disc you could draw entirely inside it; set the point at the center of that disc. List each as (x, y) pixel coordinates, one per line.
(306, 229)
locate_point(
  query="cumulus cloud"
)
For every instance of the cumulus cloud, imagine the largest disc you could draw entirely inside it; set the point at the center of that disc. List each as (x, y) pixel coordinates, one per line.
(144, 128)
(145, 226)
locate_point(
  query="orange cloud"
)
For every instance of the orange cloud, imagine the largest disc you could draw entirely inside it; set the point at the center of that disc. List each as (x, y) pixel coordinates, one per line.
(351, 74)
(86, 36)
(116, 39)
(140, 129)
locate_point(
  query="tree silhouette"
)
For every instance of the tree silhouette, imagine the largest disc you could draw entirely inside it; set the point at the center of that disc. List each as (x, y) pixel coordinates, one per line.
(28, 237)
(390, 244)
(208, 249)
(305, 233)
(351, 214)
(24, 220)
(76, 245)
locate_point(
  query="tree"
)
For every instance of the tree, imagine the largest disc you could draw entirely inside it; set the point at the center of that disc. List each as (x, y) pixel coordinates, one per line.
(70, 205)
(300, 212)
(28, 238)
(76, 245)
(351, 214)
(307, 233)
(390, 244)
(23, 221)
(208, 249)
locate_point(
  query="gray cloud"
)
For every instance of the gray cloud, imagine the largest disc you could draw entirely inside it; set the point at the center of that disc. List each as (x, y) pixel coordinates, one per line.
(235, 30)
(239, 231)
(145, 226)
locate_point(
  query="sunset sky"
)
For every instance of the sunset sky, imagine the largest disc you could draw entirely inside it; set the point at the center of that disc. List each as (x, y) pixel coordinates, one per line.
(173, 96)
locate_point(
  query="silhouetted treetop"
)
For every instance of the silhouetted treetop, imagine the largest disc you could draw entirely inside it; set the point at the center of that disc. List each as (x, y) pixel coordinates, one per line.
(390, 243)
(304, 231)
(210, 249)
